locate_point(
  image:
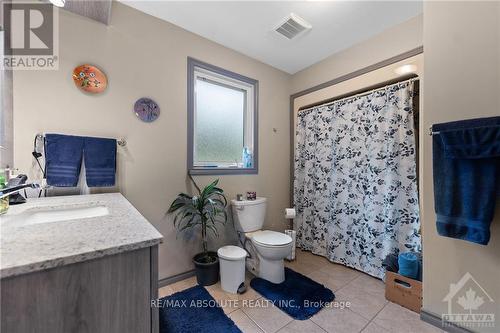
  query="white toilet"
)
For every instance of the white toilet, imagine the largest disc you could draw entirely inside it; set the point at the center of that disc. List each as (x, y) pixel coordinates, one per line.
(271, 247)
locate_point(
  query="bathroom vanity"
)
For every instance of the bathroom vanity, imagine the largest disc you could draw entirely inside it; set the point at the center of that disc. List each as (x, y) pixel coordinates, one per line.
(78, 264)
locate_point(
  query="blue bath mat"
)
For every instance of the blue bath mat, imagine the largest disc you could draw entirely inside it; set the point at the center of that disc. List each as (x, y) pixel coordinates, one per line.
(193, 310)
(298, 296)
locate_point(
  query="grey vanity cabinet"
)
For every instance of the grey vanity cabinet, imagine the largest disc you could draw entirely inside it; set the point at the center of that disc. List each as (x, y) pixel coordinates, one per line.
(111, 294)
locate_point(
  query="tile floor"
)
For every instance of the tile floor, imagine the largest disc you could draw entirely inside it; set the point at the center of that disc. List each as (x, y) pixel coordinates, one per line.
(369, 311)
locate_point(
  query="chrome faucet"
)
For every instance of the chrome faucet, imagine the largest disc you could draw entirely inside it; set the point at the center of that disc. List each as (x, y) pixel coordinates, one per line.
(5, 192)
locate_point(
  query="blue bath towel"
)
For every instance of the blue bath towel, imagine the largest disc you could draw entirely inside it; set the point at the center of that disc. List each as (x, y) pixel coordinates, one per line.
(63, 158)
(466, 167)
(408, 263)
(63, 154)
(100, 161)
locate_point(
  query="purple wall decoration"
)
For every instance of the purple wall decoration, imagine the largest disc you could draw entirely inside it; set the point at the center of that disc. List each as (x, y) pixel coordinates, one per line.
(146, 109)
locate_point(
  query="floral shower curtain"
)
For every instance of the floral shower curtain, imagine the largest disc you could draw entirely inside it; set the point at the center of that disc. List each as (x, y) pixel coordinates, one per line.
(355, 186)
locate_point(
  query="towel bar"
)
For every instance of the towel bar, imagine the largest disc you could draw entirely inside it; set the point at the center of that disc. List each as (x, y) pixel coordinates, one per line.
(120, 142)
(431, 132)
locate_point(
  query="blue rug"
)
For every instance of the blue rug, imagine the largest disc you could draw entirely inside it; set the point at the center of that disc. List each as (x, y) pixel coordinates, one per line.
(298, 296)
(193, 310)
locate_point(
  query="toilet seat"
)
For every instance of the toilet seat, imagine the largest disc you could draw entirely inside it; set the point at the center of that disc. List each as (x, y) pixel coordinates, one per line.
(268, 238)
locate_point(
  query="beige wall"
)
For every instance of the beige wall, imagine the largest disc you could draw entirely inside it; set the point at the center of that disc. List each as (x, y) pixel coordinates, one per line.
(144, 56)
(391, 42)
(372, 78)
(6, 130)
(462, 80)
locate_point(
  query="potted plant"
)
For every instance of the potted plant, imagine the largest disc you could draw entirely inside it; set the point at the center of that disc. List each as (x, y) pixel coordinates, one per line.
(204, 210)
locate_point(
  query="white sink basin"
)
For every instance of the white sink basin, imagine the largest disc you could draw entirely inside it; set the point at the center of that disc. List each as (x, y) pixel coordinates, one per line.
(54, 214)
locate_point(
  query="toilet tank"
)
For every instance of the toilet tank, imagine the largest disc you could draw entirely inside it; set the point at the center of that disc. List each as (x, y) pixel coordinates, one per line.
(249, 215)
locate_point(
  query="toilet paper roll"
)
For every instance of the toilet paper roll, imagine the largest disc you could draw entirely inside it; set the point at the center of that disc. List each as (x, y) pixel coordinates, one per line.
(290, 213)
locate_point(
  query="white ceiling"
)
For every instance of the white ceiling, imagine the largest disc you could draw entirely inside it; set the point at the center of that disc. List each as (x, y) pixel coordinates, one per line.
(247, 26)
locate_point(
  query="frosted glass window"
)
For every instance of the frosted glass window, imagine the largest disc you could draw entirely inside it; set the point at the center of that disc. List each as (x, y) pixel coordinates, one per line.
(218, 123)
(222, 121)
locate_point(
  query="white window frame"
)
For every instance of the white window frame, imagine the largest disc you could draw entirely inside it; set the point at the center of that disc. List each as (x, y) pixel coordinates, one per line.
(202, 71)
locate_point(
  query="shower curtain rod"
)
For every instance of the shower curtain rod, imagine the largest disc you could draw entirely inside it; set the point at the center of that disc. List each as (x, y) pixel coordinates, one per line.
(362, 93)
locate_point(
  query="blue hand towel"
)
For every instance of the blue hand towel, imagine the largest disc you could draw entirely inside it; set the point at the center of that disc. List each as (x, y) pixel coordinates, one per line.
(100, 161)
(408, 263)
(63, 158)
(466, 167)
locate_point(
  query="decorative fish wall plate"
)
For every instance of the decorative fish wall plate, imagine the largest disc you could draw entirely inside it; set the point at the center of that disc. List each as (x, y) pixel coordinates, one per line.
(90, 79)
(146, 109)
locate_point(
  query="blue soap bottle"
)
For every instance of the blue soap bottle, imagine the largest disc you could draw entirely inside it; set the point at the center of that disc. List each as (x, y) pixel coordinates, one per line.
(247, 157)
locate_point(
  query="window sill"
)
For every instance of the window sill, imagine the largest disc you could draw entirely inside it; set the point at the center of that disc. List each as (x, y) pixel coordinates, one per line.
(223, 171)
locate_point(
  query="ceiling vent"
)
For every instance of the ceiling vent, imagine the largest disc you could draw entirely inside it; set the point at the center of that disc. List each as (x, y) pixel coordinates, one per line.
(292, 26)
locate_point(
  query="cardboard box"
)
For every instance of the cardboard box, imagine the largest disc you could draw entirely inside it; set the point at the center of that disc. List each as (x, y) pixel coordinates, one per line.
(403, 291)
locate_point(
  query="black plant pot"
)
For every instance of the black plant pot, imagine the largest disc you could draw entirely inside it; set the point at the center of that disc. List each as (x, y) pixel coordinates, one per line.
(206, 273)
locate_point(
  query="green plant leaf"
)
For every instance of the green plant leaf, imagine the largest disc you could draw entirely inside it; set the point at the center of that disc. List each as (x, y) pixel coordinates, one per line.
(217, 202)
(214, 229)
(221, 197)
(191, 223)
(181, 201)
(209, 189)
(224, 216)
(213, 206)
(218, 189)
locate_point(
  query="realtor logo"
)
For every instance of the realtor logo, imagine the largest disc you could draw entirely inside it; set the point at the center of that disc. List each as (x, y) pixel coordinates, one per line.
(469, 305)
(30, 35)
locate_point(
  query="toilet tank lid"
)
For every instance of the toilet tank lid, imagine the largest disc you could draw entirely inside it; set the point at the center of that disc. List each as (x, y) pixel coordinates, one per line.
(257, 201)
(231, 252)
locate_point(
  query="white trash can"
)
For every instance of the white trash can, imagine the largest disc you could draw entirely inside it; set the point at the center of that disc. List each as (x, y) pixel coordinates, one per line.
(232, 267)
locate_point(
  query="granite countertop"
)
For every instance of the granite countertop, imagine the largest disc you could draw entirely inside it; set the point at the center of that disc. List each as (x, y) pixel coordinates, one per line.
(35, 247)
